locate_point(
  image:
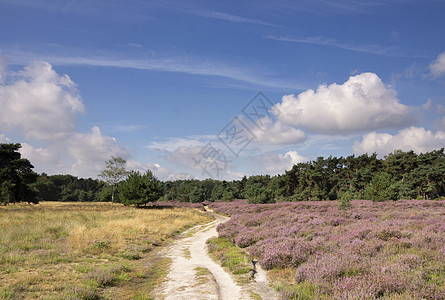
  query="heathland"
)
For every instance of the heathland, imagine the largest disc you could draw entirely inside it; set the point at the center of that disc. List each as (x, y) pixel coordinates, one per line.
(57, 250)
(314, 250)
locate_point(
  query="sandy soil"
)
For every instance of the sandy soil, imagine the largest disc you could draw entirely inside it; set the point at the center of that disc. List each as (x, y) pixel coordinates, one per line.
(194, 275)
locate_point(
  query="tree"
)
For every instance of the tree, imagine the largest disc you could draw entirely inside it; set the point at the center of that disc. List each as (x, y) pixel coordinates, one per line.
(139, 189)
(227, 195)
(16, 176)
(258, 194)
(382, 187)
(197, 194)
(114, 172)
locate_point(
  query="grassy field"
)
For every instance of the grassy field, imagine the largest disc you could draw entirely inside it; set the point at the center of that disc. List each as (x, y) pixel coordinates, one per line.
(85, 250)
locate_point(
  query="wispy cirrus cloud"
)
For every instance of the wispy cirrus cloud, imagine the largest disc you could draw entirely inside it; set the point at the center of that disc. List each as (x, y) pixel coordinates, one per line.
(370, 49)
(127, 128)
(229, 17)
(252, 75)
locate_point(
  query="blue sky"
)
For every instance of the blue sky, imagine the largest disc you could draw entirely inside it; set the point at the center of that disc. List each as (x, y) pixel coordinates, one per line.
(159, 82)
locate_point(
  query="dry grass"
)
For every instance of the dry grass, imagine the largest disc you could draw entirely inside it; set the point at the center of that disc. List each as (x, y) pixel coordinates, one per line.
(85, 250)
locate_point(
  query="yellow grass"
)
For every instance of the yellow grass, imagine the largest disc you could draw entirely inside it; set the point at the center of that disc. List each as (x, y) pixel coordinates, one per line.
(66, 249)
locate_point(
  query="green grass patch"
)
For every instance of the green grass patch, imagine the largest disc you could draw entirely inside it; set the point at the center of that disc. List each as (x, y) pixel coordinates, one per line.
(237, 261)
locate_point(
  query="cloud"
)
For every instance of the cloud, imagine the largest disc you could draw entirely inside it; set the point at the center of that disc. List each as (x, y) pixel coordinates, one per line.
(4, 139)
(370, 49)
(412, 138)
(91, 150)
(440, 124)
(160, 172)
(228, 17)
(173, 143)
(276, 133)
(3, 66)
(275, 163)
(428, 104)
(207, 161)
(41, 106)
(185, 155)
(180, 176)
(252, 75)
(362, 103)
(437, 67)
(127, 128)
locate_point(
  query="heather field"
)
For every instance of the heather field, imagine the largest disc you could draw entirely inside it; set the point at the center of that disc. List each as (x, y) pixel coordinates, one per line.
(313, 250)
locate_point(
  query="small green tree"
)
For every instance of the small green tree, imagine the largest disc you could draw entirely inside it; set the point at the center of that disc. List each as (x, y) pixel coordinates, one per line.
(382, 187)
(258, 194)
(114, 172)
(139, 189)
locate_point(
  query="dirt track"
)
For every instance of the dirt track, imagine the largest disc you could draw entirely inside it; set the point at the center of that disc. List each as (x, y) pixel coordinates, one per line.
(194, 275)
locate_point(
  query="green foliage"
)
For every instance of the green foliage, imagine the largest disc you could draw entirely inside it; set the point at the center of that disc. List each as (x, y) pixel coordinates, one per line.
(382, 187)
(139, 189)
(408, 176)
(105, 194)
(197, 194)
(68, 188)
(114, 172)
(258, 194)
(16, 176)
(227, 195)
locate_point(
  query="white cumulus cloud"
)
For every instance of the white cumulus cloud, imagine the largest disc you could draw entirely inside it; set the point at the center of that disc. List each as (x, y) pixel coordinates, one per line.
(91, 150)
(362, 103)
(437, 67)
(413, 138)
(277, 133)
(276, 163)
(40, 106)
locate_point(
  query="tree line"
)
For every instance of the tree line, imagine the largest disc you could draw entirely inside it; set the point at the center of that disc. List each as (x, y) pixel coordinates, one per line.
(405, 175)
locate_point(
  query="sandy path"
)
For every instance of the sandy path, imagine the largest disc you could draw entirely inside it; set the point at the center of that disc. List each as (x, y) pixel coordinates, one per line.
(194, 275)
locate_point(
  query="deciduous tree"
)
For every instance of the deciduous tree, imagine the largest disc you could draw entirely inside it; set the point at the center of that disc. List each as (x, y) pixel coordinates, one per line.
(114, 173)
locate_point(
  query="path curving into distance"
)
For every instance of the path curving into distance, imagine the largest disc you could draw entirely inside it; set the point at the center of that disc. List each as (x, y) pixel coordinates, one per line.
(194, 275)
